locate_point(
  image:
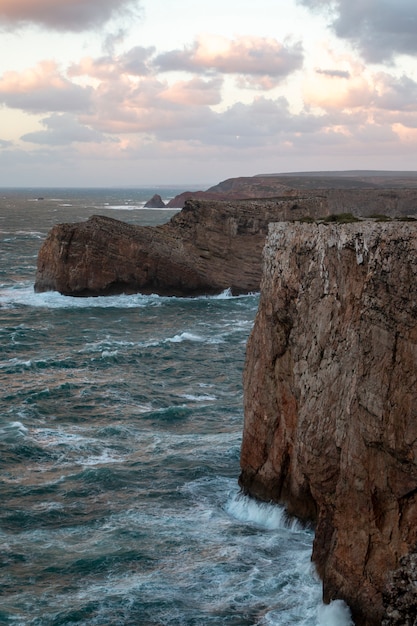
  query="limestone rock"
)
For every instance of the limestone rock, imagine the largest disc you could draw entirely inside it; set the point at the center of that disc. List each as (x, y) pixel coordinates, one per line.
(331, 398)
(206, 248)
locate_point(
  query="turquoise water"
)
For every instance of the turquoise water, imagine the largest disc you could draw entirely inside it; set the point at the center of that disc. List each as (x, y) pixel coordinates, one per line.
(120, 430)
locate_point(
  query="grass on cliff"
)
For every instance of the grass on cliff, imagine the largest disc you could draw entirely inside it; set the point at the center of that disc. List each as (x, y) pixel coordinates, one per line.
(340, 218)
(349, 218)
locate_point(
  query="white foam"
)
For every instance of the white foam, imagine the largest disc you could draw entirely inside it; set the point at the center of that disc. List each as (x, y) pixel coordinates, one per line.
(125, 207)
(194, 398)
(26, 296)
(185, 336)
(16, 363)
(261, 514)
(106, 354)
(336, 613)
(19, 426)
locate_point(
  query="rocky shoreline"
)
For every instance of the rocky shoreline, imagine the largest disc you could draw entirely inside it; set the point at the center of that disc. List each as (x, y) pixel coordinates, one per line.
(331, 370)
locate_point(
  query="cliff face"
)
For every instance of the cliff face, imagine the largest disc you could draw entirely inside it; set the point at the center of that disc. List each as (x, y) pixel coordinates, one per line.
(331, 399)
(206, 248)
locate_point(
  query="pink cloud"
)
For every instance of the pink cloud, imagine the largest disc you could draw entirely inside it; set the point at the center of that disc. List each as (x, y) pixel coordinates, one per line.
(194, 92)
(62, 15)
(135, 62)
(254, 56)
(42, 89)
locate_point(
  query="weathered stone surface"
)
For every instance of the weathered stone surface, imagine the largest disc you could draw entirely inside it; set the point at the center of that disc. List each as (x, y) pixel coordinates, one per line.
(331, 398)
(204, 249)
(400, 596)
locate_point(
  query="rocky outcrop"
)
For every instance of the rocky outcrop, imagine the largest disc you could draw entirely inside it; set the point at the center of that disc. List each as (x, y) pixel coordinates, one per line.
(206, 248)
(331, 401)
(155, 202)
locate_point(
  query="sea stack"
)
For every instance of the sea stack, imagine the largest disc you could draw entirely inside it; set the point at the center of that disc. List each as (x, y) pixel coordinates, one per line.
(155, 202)
(331, 404)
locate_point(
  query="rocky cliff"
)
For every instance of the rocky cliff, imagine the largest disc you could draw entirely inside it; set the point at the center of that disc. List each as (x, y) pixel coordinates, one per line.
(361, 193)
(331, 403)
(206, 248)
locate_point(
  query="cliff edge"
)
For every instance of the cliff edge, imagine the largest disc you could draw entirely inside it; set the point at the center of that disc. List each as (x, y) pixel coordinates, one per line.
(331, 401)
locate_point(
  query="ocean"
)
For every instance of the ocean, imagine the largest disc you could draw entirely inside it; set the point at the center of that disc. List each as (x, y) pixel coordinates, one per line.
(120, 429)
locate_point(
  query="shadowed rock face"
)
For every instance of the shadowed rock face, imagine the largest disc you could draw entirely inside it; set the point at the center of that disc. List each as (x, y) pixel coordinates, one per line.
(206, 248)
(331, 401)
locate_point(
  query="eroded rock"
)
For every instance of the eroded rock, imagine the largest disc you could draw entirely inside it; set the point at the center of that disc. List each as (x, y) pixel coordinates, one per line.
(206, 248)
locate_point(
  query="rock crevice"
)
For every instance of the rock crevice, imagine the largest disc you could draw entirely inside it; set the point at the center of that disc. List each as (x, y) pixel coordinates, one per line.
(331, 398)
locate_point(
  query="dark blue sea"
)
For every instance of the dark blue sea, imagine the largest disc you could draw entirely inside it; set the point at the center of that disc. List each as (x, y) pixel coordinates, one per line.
(120, 431)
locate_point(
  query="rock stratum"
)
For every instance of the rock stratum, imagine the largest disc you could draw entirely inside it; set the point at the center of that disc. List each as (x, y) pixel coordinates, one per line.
(331, 405)
(204, 249)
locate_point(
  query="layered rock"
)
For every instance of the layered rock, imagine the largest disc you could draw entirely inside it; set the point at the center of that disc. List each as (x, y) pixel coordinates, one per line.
(206, 248)
(331, 400)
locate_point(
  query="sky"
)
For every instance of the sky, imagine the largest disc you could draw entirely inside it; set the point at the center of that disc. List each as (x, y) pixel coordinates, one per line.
(152, 92)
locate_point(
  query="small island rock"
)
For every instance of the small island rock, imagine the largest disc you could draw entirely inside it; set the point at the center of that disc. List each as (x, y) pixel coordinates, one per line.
(155, 202)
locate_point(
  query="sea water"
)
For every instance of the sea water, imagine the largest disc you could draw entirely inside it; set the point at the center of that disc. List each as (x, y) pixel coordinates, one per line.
(120, 429)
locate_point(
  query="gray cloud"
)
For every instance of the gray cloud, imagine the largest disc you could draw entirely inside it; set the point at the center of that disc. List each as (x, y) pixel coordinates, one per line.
(399, 94)
(62, 15)
(334, 73)
(263, 122)
(63, 130)
(380, 29)
(137, 61)
(249, 56)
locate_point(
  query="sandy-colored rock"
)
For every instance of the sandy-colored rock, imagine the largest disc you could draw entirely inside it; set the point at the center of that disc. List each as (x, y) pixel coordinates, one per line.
(331, 398)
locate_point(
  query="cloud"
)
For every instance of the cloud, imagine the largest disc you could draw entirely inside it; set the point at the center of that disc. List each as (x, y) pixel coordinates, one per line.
(42, 89)
(339, 91)
(397, 94)
(194, 92)
(5, 143)
(136, 62)
(379, 29)
(63, 130)
(254, 56)
(334, 73)
(62, 15)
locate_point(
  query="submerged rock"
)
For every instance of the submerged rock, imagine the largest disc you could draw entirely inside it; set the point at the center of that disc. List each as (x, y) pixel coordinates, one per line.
(331, 401)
